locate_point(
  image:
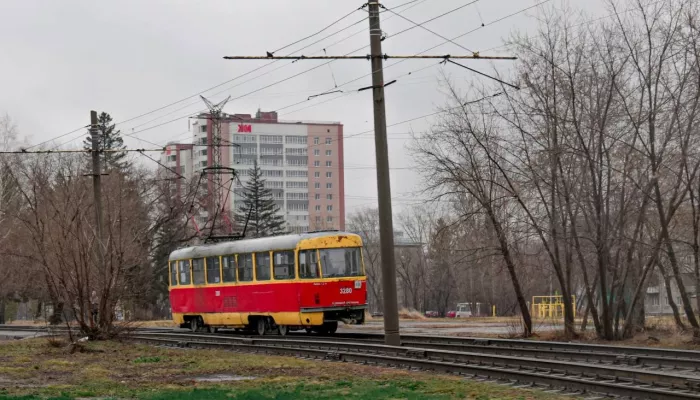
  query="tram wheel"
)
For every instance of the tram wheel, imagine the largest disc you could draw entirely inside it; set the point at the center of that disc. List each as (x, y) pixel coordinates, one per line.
(212, 329)
(282, 330)
(261, 326)
(331, 327)
(194, 324)
(308, 330)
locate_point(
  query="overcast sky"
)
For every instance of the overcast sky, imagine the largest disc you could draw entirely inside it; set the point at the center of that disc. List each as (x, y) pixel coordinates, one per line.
(60, 59)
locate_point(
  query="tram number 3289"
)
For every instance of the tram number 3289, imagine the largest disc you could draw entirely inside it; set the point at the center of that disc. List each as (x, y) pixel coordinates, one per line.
(345, 290)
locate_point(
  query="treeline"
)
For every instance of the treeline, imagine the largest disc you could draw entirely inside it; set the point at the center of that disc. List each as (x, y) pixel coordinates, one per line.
(588, 173)
(48, 238)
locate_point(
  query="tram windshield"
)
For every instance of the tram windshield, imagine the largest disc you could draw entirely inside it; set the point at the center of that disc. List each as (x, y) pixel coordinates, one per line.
(341, 263)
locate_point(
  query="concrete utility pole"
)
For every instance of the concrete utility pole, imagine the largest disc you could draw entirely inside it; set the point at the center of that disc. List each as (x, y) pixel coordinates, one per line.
(386, 228)
(97, 188)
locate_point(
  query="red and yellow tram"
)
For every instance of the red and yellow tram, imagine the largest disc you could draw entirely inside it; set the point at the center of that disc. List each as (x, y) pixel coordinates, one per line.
(276, 284)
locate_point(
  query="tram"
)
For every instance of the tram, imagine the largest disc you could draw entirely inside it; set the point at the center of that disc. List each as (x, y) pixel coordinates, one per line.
(308, 281)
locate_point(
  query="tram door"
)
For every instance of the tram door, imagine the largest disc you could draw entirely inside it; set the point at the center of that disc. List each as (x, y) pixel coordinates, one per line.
(229, 292)
(286, 296)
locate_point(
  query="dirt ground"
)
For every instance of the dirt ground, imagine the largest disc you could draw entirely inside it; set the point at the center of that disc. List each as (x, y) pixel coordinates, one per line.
(42, 368)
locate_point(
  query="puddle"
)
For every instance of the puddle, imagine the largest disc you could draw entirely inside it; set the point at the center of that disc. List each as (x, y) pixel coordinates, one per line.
(223, 378)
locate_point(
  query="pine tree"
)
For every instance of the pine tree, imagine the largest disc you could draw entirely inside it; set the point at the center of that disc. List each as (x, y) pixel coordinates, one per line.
(108, 139)
(265, 219)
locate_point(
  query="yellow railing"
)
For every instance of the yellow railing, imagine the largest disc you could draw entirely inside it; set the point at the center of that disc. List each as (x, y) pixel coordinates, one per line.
(550, 306)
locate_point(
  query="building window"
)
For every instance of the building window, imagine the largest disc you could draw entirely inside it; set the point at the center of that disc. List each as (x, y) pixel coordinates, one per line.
(329, 140)
(271, 173)
(295, 162)
(275, 184)
(328, 152)
(329, 219)
(317, 174)
(317, 152)
(317, 185)
(329, 208)
(297, 174)
(203, 128)
(329, 185)
(316, 140)
(329, 197)
(276, 139)
(317, 163)
(174, 158)
(328, 163)
(297, 185)
(297, 196)
(329, 174)
(318, 219)
(295, 140)
(317, 196)
(318, 208)
(654, 299)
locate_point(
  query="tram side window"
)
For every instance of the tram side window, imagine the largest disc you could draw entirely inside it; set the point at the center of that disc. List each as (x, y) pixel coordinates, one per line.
(173, 273)
(229, 268)
(213, 273)
(184, 267)
(308, 264)
(283, 262)
(245, 267)
(198, 271)
(262, 266)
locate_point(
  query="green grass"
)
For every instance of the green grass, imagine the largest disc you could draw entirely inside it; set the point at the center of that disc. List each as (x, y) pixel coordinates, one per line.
(371, 390)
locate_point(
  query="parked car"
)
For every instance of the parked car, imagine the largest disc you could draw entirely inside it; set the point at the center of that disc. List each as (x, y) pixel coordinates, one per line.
(451, 314)
(432, 314)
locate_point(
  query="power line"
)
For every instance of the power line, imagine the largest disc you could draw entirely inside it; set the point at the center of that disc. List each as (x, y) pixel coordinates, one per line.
(438, 45)
(296, 75)
(414, 2)
(247, 73)
(236, 77)
(58, 137)
(431, 31)
(310, 69)
(314, 34)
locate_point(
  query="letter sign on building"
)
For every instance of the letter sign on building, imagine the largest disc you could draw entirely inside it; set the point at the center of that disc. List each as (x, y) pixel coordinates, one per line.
(243, 128)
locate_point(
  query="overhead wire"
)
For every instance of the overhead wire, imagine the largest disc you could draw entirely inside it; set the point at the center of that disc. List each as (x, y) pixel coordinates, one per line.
(236, 77)
(282, 80)
(268, 72)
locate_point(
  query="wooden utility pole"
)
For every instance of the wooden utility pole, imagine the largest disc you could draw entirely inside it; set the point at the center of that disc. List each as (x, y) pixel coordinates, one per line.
(97, 190)
(386, 228)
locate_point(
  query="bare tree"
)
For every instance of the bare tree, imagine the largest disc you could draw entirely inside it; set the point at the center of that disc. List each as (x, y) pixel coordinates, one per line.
(463, 155)
(365, 222)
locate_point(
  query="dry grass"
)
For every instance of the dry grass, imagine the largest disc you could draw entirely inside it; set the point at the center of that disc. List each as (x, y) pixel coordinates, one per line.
(36, 368)
(406, 313)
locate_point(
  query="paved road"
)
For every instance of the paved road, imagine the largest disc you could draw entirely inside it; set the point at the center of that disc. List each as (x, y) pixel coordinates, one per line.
(9, 335)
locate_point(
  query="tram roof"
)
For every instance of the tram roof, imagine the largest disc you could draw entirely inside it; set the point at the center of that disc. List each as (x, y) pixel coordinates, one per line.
(282, 242)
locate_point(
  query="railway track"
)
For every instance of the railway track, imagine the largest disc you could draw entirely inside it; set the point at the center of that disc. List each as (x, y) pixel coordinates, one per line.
(567, 376)
(634, 372)
(682, 361)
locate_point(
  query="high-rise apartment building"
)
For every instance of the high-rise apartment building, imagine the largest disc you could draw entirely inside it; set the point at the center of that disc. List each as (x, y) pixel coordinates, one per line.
(301, 161)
